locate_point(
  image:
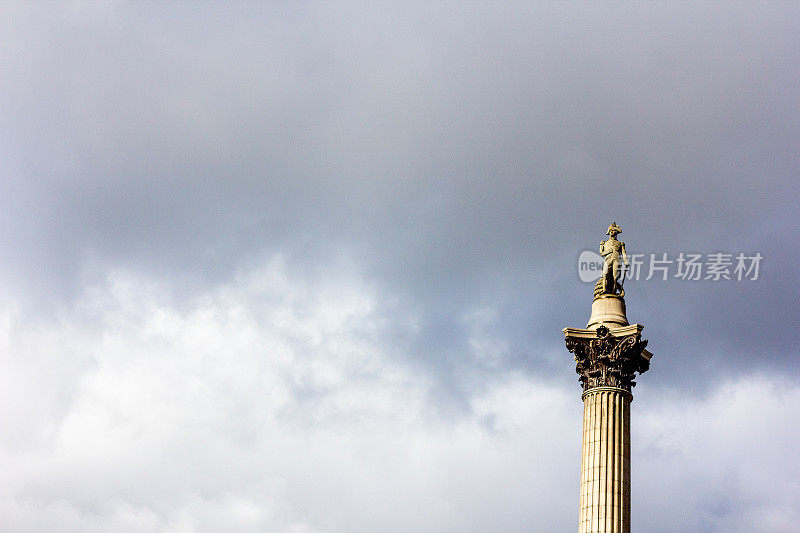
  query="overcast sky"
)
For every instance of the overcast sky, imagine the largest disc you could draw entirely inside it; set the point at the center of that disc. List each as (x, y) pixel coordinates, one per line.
(303, 267)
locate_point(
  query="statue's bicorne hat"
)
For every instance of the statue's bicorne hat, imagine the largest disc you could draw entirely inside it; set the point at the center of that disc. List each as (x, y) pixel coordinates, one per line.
(615, 228)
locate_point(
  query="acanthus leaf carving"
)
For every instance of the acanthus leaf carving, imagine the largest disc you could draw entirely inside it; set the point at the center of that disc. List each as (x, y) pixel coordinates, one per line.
(608, 361)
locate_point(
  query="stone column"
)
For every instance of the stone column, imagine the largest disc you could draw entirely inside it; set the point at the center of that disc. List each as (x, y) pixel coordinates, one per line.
(608, 354)
(605, 500)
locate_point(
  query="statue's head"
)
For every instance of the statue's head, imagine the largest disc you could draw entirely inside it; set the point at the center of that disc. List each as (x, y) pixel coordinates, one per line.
(613, 229)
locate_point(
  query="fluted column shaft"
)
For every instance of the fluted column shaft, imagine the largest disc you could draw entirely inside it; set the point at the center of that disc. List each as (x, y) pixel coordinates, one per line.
(605, 502)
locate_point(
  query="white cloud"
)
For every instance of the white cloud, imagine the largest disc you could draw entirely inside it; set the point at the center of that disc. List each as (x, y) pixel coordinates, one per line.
(274, 403)
(724, 463)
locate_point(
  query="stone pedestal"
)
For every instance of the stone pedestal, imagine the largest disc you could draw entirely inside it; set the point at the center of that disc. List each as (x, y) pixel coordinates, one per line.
(608, 354)
(609, 310)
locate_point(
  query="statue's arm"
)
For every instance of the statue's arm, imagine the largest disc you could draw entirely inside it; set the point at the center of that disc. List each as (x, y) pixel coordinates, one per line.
(624, 254)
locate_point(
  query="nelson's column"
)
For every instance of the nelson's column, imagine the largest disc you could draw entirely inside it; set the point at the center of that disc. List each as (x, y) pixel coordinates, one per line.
(608, 353)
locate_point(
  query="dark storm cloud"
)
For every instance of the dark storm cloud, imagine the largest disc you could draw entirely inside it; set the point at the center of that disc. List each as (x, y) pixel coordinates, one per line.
(462, 155)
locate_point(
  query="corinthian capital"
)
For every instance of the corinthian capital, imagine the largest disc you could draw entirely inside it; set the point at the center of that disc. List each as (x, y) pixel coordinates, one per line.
(606, 358)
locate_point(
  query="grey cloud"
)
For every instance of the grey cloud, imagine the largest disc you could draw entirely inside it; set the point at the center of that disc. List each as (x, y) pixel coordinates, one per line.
(462, 156)
(458, 157)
